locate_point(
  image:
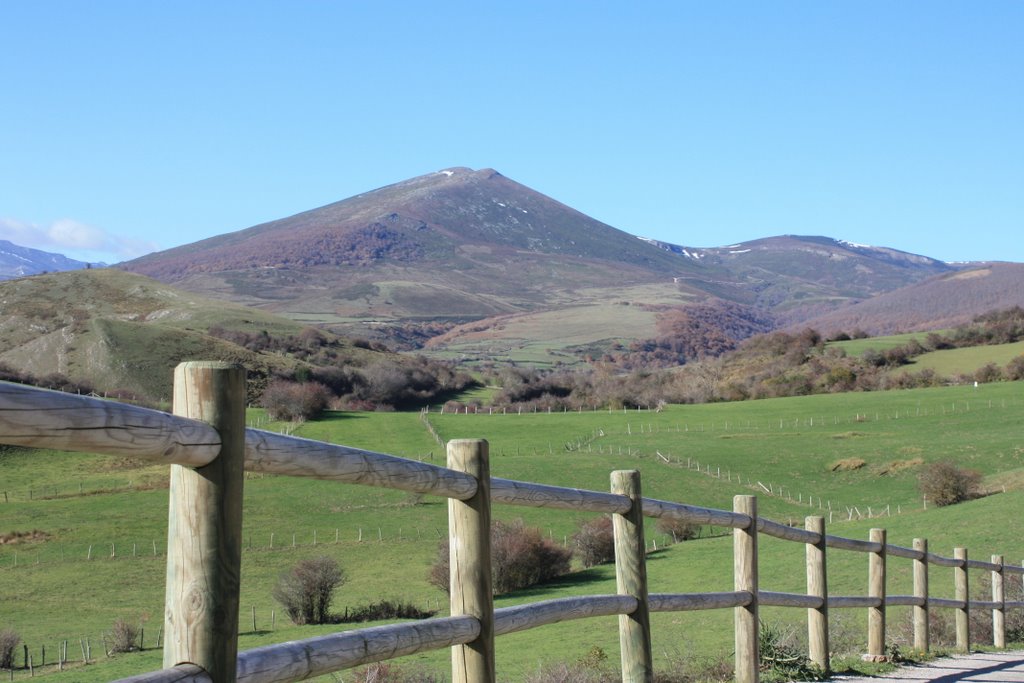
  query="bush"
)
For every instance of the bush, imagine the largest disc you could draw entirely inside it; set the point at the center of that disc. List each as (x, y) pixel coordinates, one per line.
(294, 401)
(307, 589)
(943, 483)
(678, 529)
(124, 636)
(385, 609)
(520, 557)
(9, 641)
(595, 541)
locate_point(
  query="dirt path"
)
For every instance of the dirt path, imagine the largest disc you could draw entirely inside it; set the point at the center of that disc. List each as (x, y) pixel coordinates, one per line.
(989, 667)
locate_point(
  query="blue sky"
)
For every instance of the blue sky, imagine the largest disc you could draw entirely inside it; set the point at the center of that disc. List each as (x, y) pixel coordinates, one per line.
(132, 126)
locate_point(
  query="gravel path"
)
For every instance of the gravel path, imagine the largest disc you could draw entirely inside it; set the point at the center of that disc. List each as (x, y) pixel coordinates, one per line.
(990, 667)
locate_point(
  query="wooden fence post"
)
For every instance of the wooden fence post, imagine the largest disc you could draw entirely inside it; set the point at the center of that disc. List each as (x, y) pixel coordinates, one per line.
(204, 531)
(999, 612)
(631, 579)
(962, 593)
(817, 585)
(876, 589)
(469, 538)
(744, 548)
(922, 638)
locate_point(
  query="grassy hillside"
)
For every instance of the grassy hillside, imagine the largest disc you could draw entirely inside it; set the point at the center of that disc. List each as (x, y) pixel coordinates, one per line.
(50, 591)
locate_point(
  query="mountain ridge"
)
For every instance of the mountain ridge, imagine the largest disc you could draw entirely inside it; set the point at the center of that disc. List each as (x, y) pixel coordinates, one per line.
(18, 261)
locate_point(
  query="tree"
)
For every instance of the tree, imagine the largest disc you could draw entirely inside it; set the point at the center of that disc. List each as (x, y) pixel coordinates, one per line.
(306, 590)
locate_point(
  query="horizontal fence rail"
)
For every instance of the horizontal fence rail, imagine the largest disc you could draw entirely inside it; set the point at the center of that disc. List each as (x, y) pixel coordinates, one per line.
(47, 419)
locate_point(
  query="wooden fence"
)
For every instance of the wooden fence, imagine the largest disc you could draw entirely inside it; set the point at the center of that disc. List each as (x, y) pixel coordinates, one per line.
(209, 447)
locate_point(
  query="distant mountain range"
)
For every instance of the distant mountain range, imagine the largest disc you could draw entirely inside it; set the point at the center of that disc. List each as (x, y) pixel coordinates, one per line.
(472, 265)
(17, 261)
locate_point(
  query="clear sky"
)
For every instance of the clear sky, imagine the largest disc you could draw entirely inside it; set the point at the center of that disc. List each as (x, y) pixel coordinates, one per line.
(132, 126)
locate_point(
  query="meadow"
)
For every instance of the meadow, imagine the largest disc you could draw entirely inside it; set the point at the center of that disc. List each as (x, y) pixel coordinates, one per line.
(98, 552)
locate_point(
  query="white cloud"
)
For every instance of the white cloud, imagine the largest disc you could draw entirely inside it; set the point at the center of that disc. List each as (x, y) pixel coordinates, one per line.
(74, 239)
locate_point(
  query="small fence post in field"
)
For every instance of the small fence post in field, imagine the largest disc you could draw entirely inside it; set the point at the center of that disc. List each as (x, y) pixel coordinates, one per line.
(817, 585)
(962, 594)
(204, 533)
(876, 589)
(744, 548)
(998, 597)
(922, 639)
(631, 579)
(469, 537)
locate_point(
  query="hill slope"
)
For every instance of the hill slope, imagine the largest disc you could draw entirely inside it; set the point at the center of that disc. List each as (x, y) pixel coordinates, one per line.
(943, 301)
(453, 243)
(119, 331)
(794, 275)
(412, 260)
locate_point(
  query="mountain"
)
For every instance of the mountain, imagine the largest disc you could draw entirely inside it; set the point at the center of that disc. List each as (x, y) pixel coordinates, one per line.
(795, 275)
(457, 242)
(943, 301)
(17, 261)
(487, 267)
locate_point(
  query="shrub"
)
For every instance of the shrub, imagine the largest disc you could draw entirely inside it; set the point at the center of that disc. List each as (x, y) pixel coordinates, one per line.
(595, 541)
(943, 483)
(9, 641)
(678, 529)
(520, 557)
(306, 590)
(385, 609)
(286, 400)
(783, 658)
(124, 636)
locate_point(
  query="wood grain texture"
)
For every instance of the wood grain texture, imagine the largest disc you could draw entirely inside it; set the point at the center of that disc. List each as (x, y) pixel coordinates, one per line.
(899, 551)
(776, 599)
(41, 418)
(922, 635)
(851, 601)
(947, 602)
(691, 602)
(631, 580)
(785, 532)
(526, 494)
(817, 587)
(321, 655)
(204, 534)
(745, 578)
(841, 543)
(185, 673)
(998, 597)
(469, 541)
(961, 592)
(941, 561)
(535, 614)
(694, 514)
(876, 589)
(292, 456)
(981, 564)
(904, 601)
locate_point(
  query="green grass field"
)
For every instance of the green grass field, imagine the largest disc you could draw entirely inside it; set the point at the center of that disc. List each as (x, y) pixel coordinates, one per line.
(856, 347)
(102, 522)
(951, 362)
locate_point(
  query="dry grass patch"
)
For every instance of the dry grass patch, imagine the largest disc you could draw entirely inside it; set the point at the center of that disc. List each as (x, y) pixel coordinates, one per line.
(847, 465)
(13, 537)
(897, 466)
